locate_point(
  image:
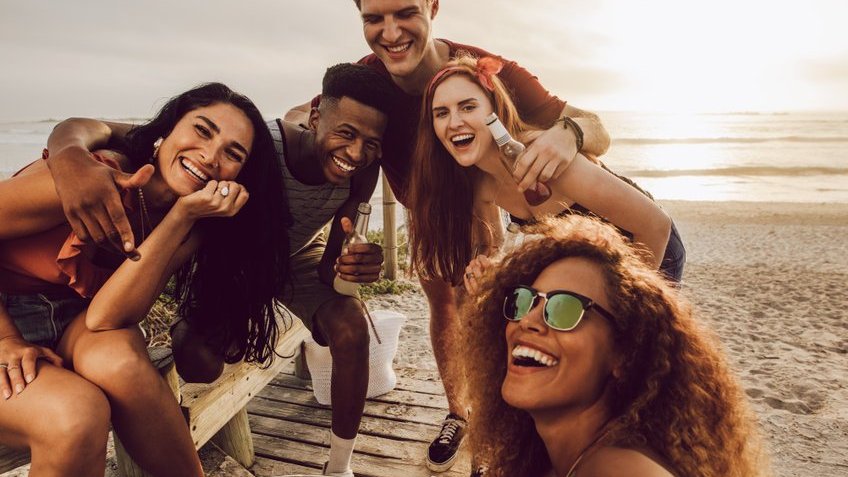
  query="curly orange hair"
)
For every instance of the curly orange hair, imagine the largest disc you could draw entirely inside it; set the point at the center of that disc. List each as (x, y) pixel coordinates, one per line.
(676, 395)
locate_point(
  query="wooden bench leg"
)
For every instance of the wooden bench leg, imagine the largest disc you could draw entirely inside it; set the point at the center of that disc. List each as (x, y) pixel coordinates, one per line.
(126, 466)
(235, 439)
(301, 369)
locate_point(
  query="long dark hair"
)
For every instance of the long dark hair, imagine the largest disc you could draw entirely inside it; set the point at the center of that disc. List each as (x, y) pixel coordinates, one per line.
(227, 289)
(676, 394)
(441, 192)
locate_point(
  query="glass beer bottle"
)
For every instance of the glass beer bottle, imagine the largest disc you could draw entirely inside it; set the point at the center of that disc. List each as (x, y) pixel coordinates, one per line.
(360, 230)
(510, 150)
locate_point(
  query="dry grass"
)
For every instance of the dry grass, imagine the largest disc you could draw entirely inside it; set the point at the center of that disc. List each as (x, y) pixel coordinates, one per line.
(158, 322)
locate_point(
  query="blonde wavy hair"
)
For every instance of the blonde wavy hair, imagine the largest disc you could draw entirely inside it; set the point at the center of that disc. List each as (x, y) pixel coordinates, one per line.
(676, 395)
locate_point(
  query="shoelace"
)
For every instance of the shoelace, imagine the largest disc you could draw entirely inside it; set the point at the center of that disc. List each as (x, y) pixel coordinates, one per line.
(449, 428)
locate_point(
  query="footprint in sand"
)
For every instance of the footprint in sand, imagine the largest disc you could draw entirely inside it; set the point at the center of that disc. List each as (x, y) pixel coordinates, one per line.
(754, 393)
(794, 406)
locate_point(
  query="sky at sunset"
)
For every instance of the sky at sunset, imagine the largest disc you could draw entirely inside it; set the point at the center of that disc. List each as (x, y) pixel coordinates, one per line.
(120, 58)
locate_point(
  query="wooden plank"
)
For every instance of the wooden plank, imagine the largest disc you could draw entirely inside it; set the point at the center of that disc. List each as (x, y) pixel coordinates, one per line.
(322, 417)
(12, 458)
(363, 465)
(266, 467)
(398, 412)
(208, 407)
(397, 396)
(320, 436)
(408, 379)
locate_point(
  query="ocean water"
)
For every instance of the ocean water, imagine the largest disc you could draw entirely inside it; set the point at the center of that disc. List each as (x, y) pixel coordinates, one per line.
(774, 157)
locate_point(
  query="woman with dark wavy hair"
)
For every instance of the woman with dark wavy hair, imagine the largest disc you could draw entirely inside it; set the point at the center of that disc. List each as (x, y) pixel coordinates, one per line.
(581, 360)
(72, 357)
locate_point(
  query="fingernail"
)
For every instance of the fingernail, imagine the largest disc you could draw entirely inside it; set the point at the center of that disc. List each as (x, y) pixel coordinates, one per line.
(6, 394)
(19, 388)
(29, 378)
(128, 246)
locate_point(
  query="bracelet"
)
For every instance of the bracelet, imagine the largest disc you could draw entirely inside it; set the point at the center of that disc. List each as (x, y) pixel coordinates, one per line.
(578, 132)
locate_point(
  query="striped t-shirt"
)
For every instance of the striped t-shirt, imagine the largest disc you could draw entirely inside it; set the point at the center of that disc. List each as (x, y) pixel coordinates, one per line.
(312, 206)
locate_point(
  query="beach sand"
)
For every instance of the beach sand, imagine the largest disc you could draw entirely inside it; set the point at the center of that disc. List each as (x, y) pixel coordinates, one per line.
(772, 281)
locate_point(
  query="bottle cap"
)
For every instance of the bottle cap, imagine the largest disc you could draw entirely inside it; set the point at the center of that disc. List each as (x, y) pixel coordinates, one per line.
(364, 208)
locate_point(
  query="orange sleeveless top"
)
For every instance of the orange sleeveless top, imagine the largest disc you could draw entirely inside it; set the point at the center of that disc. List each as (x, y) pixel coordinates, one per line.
(53, 259)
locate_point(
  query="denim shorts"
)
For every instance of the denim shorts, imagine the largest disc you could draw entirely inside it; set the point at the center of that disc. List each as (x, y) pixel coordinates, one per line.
(42, 318)
(674, 258)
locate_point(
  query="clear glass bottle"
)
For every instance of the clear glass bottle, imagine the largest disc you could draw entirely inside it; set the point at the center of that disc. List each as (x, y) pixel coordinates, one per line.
(359, 235)
(510, 150)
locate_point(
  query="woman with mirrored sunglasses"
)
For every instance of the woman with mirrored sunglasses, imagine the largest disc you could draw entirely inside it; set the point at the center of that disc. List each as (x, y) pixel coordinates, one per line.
(604, 370)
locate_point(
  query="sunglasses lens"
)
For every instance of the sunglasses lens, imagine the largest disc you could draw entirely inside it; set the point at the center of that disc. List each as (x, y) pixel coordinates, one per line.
(563, 311)
(518, 303)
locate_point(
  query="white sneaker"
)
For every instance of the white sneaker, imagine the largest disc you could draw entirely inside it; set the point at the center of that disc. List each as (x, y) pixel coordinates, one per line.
(347, 473)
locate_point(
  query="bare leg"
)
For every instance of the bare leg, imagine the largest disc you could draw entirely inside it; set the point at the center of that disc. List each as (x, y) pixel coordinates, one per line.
(63, 419)
(445, 327)
(145, 414)
(342, 322)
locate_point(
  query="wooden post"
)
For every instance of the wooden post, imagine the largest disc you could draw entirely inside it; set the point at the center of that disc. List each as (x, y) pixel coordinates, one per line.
(390, 254)
(235, 440)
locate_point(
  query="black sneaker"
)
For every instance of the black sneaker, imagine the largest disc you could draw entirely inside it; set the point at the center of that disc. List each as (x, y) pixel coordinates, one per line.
(443, 450)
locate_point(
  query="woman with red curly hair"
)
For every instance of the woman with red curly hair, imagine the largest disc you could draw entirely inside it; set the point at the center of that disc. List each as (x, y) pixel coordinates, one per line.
(604, 368)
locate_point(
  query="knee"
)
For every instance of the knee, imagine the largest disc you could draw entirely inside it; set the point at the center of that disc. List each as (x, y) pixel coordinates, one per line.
(196, 361)
(346, 328)
(76, 420)
(117, 366)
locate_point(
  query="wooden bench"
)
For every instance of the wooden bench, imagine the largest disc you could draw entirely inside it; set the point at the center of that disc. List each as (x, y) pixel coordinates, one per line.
(215, 411)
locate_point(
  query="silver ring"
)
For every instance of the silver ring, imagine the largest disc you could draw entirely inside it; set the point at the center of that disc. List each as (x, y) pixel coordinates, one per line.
(225, 191)
(4, 365)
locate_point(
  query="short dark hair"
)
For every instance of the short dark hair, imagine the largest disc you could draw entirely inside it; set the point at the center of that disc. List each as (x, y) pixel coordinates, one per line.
(360, 83)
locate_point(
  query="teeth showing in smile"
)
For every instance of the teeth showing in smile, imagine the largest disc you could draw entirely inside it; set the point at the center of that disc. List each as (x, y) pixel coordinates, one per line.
(194, 171)
(343, 165)
(462, 139)
(525, 356)
(399, 49)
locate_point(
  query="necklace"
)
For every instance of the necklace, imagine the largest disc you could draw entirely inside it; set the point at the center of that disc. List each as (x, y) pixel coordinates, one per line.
(144, 218)
(586, 449)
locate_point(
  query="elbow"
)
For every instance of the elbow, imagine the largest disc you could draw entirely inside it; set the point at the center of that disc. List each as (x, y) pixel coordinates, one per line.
(662, 231)
(97, 323)
(603, 141)
(96, 320)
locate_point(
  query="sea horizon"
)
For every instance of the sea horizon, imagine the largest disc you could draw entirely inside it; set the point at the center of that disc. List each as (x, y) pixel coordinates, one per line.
(747, 156)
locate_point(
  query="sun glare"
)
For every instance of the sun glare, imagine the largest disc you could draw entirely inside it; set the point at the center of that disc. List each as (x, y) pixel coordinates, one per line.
(724, 55)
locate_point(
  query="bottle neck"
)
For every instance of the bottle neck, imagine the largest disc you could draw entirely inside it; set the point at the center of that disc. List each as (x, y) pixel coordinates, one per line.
(360, 225)
(498, 130)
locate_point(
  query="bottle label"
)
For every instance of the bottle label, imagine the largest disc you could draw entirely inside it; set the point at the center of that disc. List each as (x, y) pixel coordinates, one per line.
(498, 130)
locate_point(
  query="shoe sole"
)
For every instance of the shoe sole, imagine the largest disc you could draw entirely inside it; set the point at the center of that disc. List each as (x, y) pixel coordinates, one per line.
(443, 466)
